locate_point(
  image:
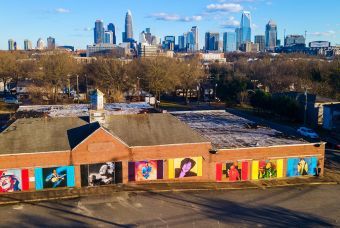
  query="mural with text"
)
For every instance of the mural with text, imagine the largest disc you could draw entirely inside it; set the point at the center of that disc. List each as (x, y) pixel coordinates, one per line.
(54, 177)
(146, 170)
(302, 166)
(232, 171)
(101, 174)
(14, 180)
(185, 167)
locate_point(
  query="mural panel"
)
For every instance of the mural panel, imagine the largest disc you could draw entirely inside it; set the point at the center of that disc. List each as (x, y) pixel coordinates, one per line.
(101, 174)
(185, 167)
(302, 166)
(146, 170)
(54, 177)
(232, 171)
(13, 180)
(267, 169)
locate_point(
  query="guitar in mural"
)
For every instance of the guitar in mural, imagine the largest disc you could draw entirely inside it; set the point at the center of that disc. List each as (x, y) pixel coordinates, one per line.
(55, 178)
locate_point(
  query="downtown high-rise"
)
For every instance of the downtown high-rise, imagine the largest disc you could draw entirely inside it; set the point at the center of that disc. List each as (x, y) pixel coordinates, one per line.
(50, 43)
(212, 40)
(98, 32)
(128, 33)
(111, 28)
(245, 27)
(229, 41)
(271, 35)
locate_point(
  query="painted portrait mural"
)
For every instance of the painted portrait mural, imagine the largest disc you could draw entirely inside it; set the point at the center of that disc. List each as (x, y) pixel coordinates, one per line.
(267, 169)
(14, 180)
(54, 177)
(302, 166)
(185, 167)
(146, 170)
(101, 174)
(232, 171)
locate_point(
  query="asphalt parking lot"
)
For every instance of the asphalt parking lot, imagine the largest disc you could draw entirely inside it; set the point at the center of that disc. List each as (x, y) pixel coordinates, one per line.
(287, 206)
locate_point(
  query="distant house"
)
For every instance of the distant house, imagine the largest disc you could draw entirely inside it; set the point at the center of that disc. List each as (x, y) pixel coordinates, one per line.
(315, 106)
(331, 117)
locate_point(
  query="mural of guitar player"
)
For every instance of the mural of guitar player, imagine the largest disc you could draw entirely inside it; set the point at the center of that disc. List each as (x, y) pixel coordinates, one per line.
(55, 177)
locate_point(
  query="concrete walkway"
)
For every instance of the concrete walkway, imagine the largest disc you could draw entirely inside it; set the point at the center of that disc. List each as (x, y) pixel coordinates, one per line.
(69, 193)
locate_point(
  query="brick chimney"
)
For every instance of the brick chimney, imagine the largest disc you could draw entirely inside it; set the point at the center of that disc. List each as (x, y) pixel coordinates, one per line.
(97, 112)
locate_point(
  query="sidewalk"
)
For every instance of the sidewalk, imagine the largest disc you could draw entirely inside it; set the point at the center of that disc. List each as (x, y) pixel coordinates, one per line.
(69, 193)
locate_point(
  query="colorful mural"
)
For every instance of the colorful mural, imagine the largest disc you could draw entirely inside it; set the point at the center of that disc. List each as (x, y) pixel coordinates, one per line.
(302, 166)
(232, 171)
(146, 170)
(185, 167)
(266, 169)
(13, 180)
(54, 177)
(101, 174)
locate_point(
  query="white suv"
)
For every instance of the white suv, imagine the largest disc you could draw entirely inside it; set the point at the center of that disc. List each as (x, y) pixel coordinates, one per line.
(304, 131)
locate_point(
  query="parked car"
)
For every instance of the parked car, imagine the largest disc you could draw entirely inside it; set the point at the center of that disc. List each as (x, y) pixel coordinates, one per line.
(306, 132)
(11, 100)
(335, 146)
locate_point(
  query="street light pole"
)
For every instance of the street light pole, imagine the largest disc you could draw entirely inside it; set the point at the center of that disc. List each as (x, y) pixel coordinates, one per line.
(305, 114)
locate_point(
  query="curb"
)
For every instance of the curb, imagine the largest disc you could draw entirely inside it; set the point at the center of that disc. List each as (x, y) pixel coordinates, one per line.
(167, 190)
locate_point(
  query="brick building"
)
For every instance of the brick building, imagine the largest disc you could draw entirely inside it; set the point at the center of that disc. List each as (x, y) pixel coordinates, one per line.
(42, 153)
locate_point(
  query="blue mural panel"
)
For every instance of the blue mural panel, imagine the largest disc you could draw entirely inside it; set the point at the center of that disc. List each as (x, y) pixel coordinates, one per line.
(302, 166)
(54, 177)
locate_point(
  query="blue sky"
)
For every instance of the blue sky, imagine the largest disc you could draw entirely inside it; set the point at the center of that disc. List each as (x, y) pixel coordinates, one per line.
(71, 21)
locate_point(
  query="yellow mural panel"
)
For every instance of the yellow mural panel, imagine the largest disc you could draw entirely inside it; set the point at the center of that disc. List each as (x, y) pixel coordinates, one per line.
(171, 169)
(280, 168)
(255, 170)
(186, 167)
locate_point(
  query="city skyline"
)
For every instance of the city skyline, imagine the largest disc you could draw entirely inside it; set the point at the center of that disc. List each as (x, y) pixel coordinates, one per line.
(71, 23)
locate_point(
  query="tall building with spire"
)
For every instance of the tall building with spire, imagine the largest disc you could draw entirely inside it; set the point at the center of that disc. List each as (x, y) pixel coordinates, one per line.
(111, 27)
(245, 27)
(271, 35)
(98, 32)
(128, 34)
(194, 31)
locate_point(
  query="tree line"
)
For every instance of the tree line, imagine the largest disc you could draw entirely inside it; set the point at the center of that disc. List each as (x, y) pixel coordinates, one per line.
(233, 82)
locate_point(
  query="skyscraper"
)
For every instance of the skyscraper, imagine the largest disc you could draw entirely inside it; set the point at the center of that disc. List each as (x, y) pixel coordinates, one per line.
(108, 37)
(195, 37)
(229, 41)
(111, 27)
(128, 34)
(245, 27)
(11, 45)
(50, 43)
(27, 45)
(212, 40)
(169, 43)
(238, 38)
(98, 32)
(40, 44)
(181, 43)
(271, 35)
(260, 40)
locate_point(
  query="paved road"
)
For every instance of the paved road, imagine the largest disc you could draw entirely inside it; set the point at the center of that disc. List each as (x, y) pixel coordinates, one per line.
(302, 206)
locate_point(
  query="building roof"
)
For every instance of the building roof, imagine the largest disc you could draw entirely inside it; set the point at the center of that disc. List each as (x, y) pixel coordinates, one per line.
(226, 130)
(151, 129)
(32, 135)
(43, 135)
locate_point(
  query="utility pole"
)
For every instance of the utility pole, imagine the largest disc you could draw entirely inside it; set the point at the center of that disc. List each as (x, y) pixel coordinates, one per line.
(78, 88)
(306, 100)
